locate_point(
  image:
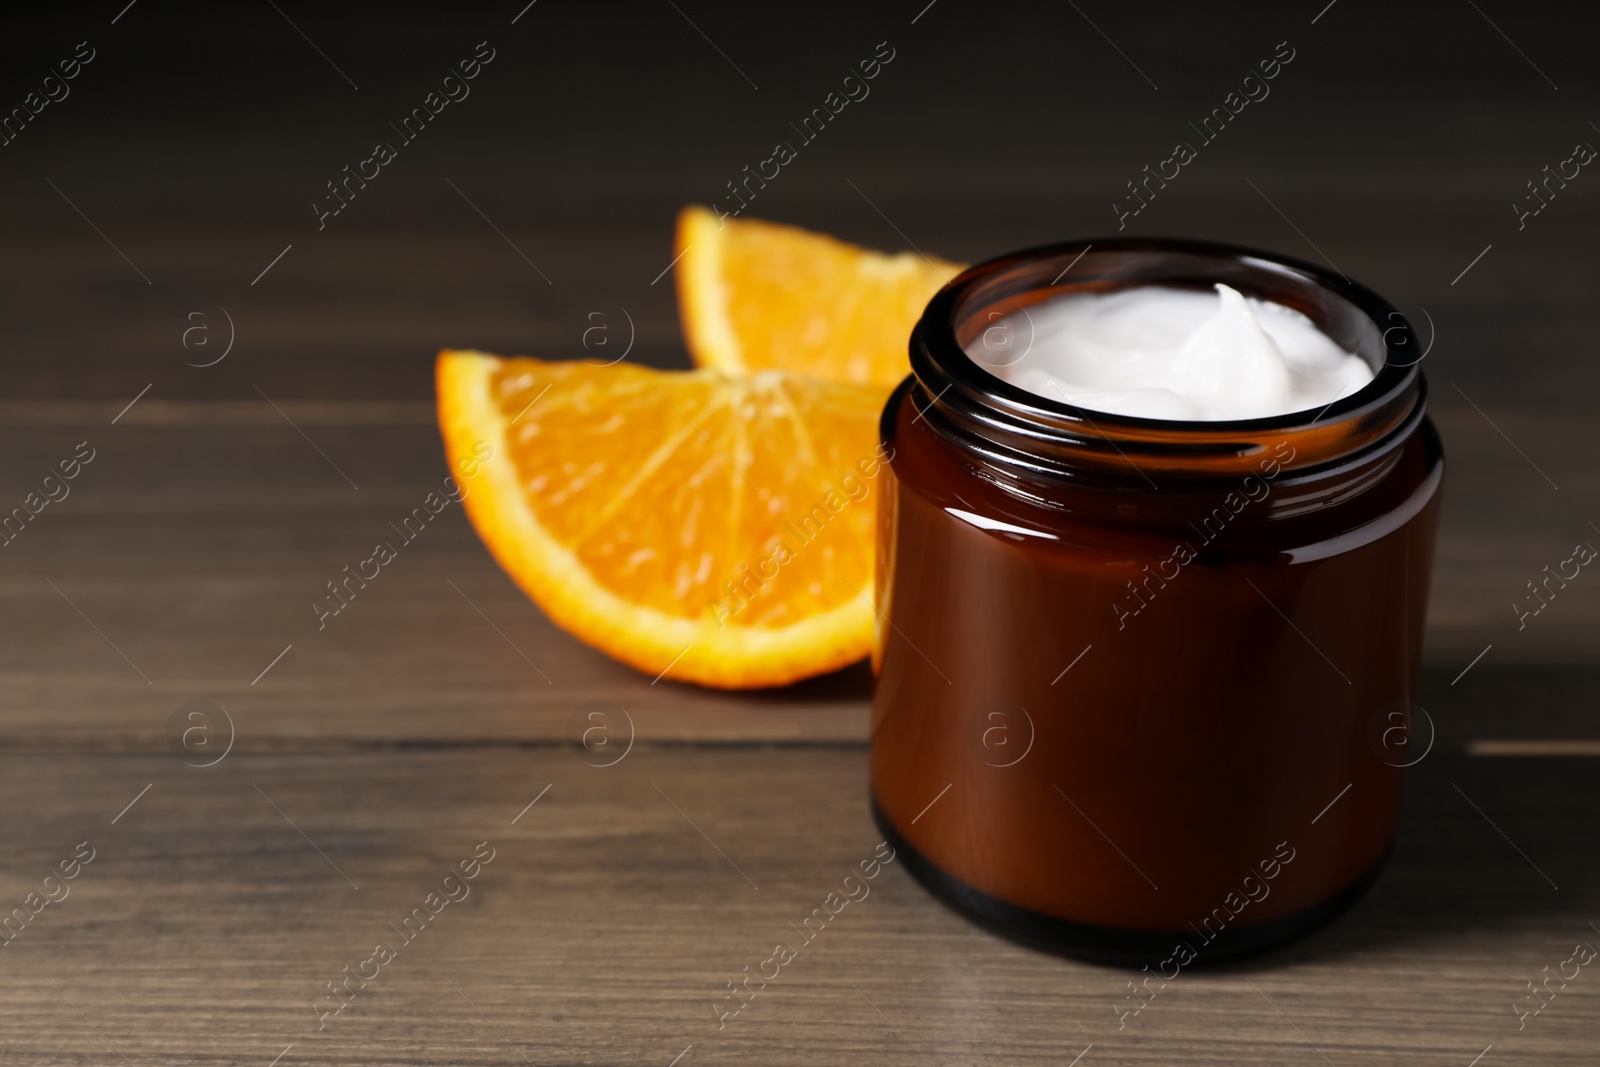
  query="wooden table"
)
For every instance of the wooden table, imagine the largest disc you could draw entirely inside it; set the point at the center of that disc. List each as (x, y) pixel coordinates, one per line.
(437, 713)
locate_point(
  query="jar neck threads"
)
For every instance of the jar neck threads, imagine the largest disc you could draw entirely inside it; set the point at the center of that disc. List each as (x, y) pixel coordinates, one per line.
(1021, 434)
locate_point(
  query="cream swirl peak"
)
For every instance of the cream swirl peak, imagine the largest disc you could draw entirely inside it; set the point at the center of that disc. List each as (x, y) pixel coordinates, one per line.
(1162, 353)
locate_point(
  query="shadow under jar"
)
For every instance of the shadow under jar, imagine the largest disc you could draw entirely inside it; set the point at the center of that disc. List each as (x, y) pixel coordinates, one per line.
(1143, 687)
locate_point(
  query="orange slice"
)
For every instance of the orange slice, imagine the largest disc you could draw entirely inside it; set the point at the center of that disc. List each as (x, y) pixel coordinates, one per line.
(756, 296)
(695, 525)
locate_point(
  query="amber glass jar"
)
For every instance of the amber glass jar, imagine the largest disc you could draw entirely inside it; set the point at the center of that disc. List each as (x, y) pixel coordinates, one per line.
(1138, 681)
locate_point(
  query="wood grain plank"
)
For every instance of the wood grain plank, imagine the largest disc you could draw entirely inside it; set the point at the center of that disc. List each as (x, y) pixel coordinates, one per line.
(606, 926)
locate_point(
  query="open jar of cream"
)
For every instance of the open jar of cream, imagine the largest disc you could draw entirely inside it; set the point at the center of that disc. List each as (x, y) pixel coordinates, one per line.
(1153, 562)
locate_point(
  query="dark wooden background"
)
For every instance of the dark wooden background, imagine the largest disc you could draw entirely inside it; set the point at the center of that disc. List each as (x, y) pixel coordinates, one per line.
(427, 716)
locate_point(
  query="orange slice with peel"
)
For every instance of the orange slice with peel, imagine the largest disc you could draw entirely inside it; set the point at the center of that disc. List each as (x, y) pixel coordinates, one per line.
(755, 295)
(700, 526)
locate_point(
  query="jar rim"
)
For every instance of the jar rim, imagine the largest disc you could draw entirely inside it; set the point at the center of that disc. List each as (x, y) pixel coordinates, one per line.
(1034, 430)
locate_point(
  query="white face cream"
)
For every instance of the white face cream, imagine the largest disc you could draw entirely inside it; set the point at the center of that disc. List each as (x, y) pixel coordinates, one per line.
(1179, 354)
